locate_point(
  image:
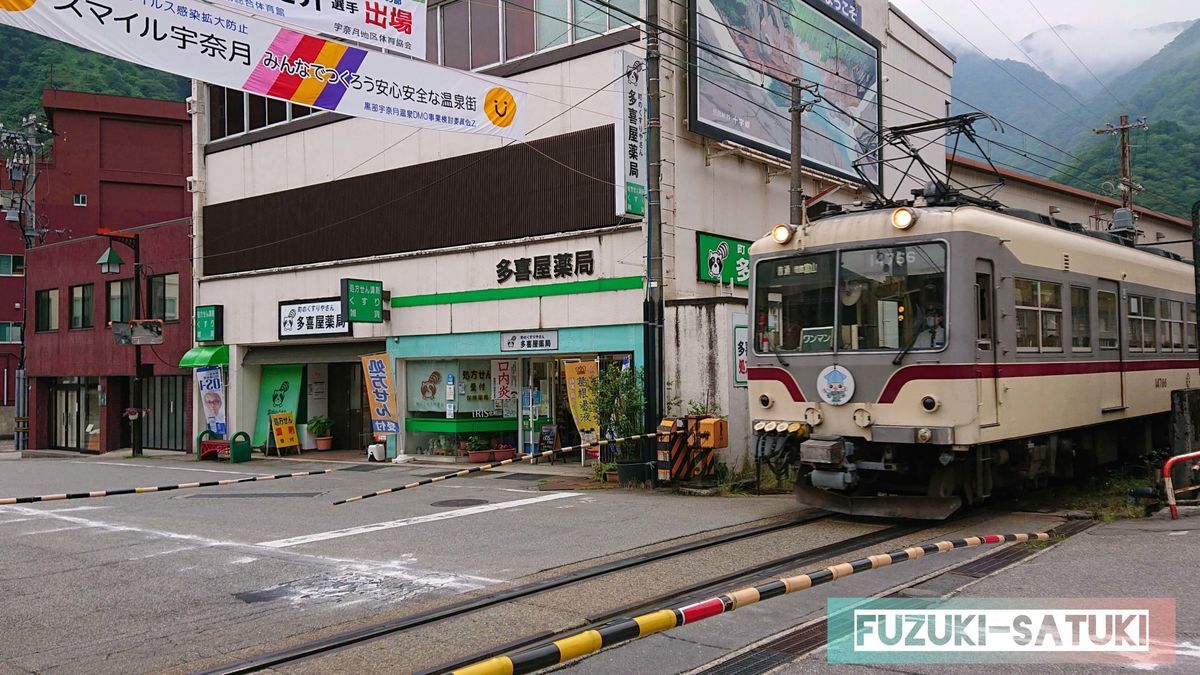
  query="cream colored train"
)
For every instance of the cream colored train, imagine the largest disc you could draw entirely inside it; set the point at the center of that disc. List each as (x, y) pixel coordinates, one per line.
(907, 361)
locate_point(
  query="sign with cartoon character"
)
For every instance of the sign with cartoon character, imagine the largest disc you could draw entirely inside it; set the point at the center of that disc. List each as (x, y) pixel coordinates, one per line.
(722, 260)
(835, 385)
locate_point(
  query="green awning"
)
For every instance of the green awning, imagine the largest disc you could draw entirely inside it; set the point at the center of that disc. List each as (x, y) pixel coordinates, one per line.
(214, 355)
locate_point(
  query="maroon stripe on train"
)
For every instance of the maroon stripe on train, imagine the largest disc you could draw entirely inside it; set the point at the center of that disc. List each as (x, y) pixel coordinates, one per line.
(773, 374)
(970, 371)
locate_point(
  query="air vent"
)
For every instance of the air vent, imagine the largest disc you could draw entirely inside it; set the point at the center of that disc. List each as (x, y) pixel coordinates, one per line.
(1067, 261)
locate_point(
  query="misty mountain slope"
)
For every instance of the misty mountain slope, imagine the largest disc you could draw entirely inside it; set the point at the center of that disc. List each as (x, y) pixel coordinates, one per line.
(39, 62)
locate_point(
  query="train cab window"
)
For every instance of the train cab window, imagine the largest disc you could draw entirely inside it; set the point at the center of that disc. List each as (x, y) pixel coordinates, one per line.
(1141, 324)
(892, 298)
(1190, 328)
(1106, 317)
(1081, 319)
(1170, 326)
(1039, 316)
(794, 304)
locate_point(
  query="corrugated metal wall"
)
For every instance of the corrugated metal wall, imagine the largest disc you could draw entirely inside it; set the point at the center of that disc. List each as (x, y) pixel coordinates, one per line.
(556, 184)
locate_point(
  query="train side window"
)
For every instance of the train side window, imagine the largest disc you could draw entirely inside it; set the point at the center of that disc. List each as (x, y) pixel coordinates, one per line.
(1039, 316)
(1106, 316)
(1170, 326)
(983, 306)
(1081, 319)
(1190, 328)
(1142, 324)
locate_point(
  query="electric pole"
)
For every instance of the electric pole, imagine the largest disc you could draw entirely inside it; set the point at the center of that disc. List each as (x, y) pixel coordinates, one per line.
(652, 310)
(1128, 187)
(20, 150)
(799, 214)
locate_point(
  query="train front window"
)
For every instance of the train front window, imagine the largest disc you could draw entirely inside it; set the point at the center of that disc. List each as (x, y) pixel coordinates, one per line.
(892, 297)
(870, 299)
(794, 304)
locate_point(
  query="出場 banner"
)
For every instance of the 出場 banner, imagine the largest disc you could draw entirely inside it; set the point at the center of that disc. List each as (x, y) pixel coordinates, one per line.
(206, 42)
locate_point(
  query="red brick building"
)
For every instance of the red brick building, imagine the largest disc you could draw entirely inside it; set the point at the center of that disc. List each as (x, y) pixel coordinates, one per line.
(122, 164)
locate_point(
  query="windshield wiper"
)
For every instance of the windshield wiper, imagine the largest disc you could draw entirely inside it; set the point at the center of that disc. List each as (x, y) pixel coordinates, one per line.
(779, 355)
(911, 343)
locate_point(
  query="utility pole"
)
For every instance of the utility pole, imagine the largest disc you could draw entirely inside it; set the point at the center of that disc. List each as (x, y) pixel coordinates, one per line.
(799, 214)
(20, 149)
(1128, 187)
(652, 310)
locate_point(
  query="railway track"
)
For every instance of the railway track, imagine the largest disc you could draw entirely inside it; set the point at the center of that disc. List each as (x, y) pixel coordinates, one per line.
(341, 641)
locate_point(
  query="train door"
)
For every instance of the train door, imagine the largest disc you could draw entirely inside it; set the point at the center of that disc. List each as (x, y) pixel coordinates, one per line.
(986, 375)
(1108, 320)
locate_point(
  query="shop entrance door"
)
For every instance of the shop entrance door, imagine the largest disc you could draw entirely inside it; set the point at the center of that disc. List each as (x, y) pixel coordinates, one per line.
(351, 429)
(75, 403)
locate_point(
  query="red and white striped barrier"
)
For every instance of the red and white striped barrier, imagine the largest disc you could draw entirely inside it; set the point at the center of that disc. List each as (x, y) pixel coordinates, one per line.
(1169, 485)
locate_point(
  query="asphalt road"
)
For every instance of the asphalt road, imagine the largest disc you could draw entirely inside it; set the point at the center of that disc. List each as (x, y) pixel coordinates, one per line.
(166, 580)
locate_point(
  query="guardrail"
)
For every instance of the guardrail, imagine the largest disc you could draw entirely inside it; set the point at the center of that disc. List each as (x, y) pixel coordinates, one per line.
(1169, 485)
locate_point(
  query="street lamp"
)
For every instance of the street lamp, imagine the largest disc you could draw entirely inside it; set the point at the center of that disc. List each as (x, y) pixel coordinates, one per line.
(110, 263)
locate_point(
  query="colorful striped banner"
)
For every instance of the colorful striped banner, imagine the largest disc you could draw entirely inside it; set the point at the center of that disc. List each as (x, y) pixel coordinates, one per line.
(485, 467)
(4, 501)
(593, 640)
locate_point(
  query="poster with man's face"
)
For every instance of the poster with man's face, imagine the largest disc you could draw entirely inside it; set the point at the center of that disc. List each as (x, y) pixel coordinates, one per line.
(212, 398)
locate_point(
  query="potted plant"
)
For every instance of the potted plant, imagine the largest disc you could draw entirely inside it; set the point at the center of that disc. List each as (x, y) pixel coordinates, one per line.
(319, 426)
(617, 399)
(502, 452)
(477, 449)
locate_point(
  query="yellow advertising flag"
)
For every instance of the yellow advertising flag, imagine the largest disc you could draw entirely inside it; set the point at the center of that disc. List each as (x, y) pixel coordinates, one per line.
(574, 372)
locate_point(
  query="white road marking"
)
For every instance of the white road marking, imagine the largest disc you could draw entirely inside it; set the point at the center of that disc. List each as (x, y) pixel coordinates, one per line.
(77, 508)
(393, 569)
(1177, 533)
(57, 529)
(170, 468)
(14, 520)
(416, 520)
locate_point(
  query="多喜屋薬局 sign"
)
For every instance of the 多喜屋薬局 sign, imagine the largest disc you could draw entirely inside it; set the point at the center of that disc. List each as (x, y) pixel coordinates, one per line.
(551, 266)
(320, 317)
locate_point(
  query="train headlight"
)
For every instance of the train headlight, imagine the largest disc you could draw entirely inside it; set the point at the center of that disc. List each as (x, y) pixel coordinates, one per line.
(782, 233)
(904, 217)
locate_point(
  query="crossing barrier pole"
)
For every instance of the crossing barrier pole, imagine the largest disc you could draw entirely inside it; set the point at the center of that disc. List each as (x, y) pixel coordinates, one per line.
(5, 501)
(591, 641)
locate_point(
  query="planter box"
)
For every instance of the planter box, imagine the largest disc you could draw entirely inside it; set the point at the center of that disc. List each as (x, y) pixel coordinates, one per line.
(501, 455)
(633, 473)
(480, 456)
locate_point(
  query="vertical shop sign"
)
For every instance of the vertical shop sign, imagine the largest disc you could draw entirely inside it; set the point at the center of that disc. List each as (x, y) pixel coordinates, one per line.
(722, 260)
(630, 131)
(279, 392)
(741, 349)
(504, 380)
(212, 398)
(381, 391)
(362, 301)
(210, 323)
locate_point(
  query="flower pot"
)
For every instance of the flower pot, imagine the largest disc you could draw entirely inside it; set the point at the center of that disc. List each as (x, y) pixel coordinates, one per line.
(503, 454)
(633, 473)
(479, 456)
(324, 442)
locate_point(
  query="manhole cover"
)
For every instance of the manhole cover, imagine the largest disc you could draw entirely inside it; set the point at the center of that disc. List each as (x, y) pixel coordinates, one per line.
(460, 502)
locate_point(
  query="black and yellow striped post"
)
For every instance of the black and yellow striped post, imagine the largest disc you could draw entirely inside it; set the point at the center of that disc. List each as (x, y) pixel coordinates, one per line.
(593, 640)
(485, 467)
(4, 501)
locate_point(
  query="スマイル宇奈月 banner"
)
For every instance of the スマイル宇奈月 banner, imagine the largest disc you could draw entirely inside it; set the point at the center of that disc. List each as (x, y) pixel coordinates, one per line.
(210, 43)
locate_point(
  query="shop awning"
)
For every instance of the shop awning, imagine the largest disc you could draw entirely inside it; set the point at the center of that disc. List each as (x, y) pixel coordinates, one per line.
(343, 352)
(213, 355)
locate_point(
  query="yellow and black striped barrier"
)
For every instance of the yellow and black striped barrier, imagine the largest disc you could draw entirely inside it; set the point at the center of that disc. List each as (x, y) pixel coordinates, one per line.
(591, 641)
(485, 467)
(4, 501)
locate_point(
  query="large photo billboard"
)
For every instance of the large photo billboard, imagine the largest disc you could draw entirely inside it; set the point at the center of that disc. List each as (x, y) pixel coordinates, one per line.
(746, 53)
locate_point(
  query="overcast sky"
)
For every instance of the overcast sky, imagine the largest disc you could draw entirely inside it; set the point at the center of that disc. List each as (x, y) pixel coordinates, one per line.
(1098, 21)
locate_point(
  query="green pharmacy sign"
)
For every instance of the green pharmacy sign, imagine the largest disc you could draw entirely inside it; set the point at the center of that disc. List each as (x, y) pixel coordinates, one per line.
(362, 301)
(722, 260)
(210, 323)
